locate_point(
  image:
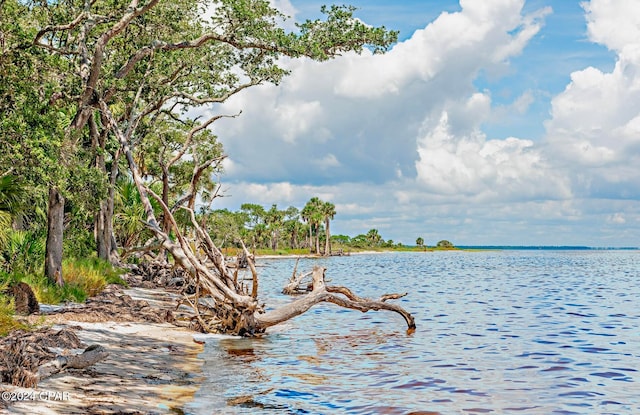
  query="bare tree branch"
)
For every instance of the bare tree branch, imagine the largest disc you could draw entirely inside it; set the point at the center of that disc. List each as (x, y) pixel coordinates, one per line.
(69, 26)
(322, 293)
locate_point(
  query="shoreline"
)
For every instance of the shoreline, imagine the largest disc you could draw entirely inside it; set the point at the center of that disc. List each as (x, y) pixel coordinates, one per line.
(152, 367)
(316, 256)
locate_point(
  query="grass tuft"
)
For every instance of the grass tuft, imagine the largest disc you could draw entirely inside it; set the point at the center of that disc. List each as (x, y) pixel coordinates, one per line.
(7, 321)
(83, 278)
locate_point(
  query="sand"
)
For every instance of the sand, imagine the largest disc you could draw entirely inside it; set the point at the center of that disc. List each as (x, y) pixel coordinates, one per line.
(152, 368)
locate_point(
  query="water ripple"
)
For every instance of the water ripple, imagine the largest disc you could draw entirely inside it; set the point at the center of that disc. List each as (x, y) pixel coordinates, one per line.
(498, 332)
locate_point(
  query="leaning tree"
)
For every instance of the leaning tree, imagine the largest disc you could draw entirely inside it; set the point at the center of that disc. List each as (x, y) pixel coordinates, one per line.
(149, 66)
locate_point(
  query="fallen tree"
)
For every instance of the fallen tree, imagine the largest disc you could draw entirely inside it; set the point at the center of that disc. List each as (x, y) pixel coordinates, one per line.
(221, 302)
(148, 74)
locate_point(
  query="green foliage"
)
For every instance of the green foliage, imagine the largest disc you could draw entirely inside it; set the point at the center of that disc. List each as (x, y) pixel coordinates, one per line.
(12, 195)
(225, 227)
(445, 244)
(49, 293)
(129, 215)
(12, 192)
(340, 32)
(89, 277)
(313, 214)
(84, 278)
(420, 241)
(374, 238)
(23, 252)
(7, 320)
(341, 239)
(79, 241)
(97, 269)
(158, 70)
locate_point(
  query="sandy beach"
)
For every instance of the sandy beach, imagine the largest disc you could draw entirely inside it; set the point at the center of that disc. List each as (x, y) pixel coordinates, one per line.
(152, 368)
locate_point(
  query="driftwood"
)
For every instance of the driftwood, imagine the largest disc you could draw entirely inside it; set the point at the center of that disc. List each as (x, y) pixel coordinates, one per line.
(341, 296)
(91, 355)
(26, 357)
(294, 286)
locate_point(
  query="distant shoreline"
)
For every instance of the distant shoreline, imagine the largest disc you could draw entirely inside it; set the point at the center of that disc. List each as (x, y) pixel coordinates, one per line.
(457, 248)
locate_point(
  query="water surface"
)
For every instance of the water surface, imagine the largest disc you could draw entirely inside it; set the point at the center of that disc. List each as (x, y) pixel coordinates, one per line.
(522, 332)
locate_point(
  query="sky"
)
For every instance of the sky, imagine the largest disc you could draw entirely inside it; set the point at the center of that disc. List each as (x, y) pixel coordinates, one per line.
(493, 122)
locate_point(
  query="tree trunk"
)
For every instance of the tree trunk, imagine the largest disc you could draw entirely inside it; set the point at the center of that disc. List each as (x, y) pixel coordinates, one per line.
(55, 228)
(105, 239)
(102, 246)
(166, 222)
(327, 240)
(103, 227)
(318, 239)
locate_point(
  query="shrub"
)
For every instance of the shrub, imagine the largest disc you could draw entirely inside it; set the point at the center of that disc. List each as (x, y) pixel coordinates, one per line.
(445, 244)
(83, 278)
(23, 252)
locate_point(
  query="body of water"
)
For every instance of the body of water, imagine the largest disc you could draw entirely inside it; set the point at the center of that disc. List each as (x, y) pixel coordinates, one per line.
(502, 332)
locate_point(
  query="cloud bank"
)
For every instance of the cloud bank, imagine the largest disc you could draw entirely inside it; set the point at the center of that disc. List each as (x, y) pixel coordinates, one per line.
(397, 140)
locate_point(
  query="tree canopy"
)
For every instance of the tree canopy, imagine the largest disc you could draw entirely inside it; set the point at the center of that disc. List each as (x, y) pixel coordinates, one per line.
(83, 83)
(444, 244)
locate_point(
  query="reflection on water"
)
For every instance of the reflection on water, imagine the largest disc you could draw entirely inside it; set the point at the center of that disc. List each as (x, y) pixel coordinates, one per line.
(498, 332)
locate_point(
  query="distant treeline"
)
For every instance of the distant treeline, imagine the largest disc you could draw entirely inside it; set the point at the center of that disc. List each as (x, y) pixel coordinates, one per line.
(291, 228)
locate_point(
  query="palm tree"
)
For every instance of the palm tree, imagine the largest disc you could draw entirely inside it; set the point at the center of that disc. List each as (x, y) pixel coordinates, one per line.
(292, 225)
(306, 215)
(274, 221)
(129, 225)
(312, 213)
(328, 211)
(373, 237)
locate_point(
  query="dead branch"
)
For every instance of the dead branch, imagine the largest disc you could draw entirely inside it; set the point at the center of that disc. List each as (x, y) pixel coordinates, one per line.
(252, 267)
(91, 355)
(294, 286)
(147, 248)
(322, 293)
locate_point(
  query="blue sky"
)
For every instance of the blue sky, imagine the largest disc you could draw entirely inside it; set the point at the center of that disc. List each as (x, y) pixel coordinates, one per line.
(493, 122)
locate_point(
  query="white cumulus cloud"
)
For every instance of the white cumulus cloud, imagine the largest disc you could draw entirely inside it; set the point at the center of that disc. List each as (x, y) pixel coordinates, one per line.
(594, 129)
(468, 164)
